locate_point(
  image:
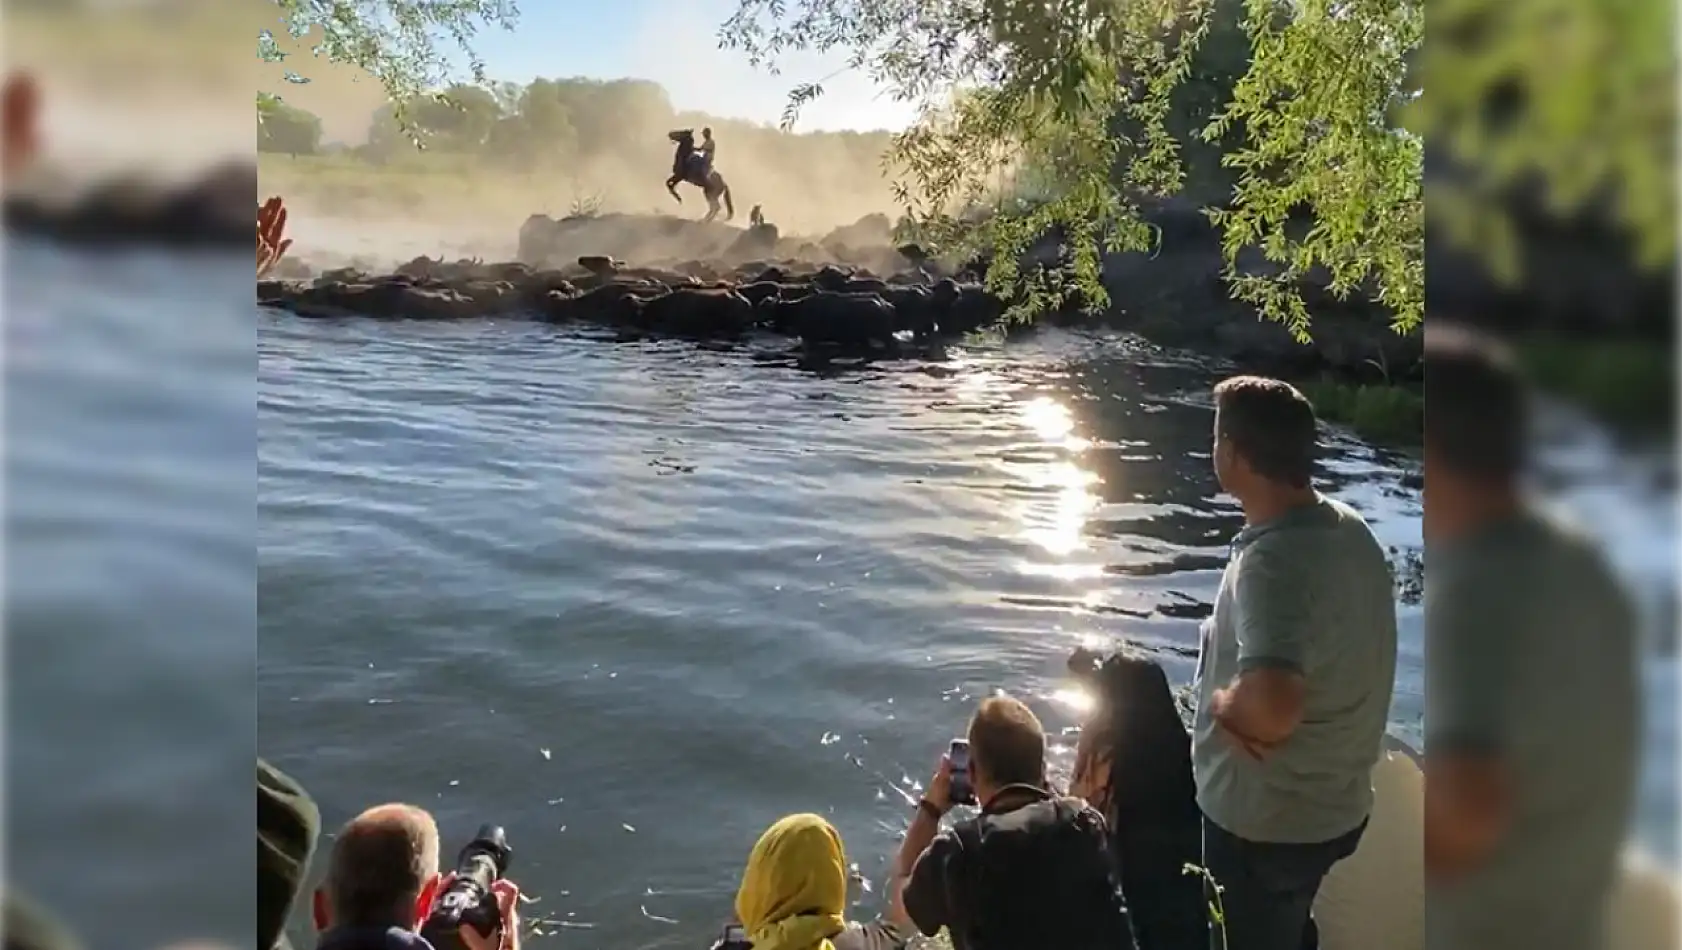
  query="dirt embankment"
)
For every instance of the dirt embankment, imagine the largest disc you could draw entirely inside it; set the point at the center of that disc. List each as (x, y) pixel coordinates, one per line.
(665, 240)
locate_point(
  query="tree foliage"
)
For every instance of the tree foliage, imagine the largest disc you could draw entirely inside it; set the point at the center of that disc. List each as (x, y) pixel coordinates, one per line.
(1575, 100)
(1099, 88)
(395, 41)
(283, 128)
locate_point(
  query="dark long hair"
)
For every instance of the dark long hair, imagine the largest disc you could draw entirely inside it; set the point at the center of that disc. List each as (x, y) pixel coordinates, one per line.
(1151, 785)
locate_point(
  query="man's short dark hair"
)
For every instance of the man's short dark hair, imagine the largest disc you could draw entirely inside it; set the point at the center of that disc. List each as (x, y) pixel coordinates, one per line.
(1006, 738)
(1476, 404)
(1271, 424)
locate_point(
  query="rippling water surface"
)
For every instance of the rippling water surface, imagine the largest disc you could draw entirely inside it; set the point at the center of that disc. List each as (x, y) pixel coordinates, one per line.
(636, 601)
(632, 601)
(129, 575)
(583, 588)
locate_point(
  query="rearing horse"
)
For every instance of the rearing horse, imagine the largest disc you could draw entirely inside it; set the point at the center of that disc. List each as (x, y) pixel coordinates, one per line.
(688, 165)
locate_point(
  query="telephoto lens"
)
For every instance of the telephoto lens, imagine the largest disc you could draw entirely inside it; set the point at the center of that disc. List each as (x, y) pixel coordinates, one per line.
(470, 900)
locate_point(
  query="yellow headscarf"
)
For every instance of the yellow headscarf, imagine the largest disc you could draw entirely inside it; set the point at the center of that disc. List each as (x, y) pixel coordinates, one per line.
(794, 890)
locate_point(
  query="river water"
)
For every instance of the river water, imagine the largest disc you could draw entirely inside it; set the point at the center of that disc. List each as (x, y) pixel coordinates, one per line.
(633, 601)
(636, 601)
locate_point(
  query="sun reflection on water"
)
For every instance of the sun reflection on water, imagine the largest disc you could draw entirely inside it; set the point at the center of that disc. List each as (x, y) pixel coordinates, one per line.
(1074, 699)
(1053, 423)
(1057, 527)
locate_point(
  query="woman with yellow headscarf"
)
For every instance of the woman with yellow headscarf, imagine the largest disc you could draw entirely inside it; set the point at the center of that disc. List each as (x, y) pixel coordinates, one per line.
(794, 893)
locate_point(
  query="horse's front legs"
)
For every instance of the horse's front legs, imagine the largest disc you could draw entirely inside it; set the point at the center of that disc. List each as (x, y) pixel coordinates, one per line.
(671, 186)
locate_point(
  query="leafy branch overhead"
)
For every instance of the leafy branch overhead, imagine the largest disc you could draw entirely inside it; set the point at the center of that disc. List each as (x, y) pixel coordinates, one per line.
(1097, 105)
(394, 41)
(1572, 102)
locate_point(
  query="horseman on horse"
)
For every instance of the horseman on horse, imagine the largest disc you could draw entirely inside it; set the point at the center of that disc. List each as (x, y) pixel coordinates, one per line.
(694, 165)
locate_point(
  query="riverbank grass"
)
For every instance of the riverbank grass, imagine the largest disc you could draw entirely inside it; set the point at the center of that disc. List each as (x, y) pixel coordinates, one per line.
(1627, 384)
(1390, 414)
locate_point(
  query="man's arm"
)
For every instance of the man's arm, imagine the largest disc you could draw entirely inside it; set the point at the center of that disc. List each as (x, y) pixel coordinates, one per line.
(1471, 631)
(917, 885)
(1272, 600)
(1468, 805)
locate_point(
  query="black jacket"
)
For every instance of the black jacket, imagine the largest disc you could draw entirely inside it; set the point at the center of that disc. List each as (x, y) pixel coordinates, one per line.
(371, 938)
(1032, 877)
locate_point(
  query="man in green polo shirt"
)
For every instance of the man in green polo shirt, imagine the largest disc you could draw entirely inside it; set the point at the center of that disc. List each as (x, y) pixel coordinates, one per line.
(1532, 703)
(1295, 674)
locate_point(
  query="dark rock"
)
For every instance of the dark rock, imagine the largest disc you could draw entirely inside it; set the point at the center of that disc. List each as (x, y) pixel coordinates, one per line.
(757, 240)
(914, 310)
(762, 290)
(599, 265)
(215, 209)
(838, 320)
(832, 279)
(864, 285)
(698, 313)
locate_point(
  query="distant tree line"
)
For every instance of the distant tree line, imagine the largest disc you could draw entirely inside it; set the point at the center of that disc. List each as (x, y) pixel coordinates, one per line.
(551, 123)
(285, 129)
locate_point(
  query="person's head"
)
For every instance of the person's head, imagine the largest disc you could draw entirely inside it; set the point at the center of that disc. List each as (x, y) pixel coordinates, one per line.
(383, 871)
(794, 891)
(1006, 746)
(1476, 428)
(707, 133)
(1145, 740)
(1265, 437)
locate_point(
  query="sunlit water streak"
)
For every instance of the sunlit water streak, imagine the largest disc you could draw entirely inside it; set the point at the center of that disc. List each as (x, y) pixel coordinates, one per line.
(515, 575)
(717, 590)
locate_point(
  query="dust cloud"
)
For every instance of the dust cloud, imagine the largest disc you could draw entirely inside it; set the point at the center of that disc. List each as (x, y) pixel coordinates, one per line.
(473, 206)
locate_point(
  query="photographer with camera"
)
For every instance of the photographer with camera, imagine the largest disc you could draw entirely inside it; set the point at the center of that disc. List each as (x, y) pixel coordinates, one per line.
(383, 890)
(1032, 870)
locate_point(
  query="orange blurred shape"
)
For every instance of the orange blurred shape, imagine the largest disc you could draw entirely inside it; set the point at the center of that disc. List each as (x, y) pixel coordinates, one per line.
(22, 105)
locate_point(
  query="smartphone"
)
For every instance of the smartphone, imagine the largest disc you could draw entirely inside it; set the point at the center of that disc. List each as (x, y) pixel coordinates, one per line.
(735, 938)
(963, 792)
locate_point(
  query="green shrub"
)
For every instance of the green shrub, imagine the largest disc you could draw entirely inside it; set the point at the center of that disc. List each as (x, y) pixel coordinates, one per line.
(1624, 382)
(1381, 413)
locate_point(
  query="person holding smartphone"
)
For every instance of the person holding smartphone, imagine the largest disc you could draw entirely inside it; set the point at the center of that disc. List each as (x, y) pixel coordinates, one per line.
(1032, 869)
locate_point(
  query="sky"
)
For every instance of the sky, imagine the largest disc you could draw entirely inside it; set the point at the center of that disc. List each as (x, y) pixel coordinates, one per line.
(674, 43)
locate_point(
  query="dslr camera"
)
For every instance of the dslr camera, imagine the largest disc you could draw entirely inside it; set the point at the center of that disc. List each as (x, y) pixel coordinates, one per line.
(470, 900)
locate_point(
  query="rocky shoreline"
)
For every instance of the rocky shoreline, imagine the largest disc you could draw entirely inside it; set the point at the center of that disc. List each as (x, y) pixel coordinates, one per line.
(570, 269)
(825, 309)
(1174, 296)
(211, 210)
